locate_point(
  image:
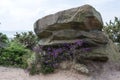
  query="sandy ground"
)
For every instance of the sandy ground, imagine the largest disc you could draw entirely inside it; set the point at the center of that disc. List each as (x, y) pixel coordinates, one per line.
(19, 74)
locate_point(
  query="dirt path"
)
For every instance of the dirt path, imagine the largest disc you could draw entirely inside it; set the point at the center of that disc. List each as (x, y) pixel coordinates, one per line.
(20, 74)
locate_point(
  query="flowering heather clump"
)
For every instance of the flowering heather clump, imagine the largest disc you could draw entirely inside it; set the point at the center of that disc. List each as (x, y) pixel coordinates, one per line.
(53, 55)
(79, 42)
(86, 49)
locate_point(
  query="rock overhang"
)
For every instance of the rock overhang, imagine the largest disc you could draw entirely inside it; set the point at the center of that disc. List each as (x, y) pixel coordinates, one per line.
(84, 18)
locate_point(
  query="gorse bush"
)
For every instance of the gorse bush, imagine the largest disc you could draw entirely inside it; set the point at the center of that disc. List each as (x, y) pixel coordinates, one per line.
(15, 55)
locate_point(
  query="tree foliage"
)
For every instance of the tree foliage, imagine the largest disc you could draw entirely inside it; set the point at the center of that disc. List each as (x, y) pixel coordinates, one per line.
(113, 29)
(28, 39)
(15, 54)
(3, 40)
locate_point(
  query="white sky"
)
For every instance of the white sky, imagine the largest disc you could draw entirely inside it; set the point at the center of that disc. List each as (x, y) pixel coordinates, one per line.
(20, 15)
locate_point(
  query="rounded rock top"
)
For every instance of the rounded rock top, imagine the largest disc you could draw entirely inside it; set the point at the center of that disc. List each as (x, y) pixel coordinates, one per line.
(68, 23)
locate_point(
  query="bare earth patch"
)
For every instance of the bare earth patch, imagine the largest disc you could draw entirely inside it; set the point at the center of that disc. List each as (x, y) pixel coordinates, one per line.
(108, 73)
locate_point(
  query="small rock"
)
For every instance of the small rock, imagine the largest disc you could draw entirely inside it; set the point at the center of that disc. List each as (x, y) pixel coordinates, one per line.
(81, 68)
(65, 65)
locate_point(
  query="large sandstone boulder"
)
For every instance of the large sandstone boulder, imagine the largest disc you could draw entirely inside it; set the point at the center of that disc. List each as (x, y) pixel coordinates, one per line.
(69, 25)
(77, 24)
(80, 18)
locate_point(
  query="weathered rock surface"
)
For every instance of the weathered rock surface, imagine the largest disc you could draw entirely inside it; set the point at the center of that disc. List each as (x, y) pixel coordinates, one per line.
(69, 25)
(81, 68)
(70, 36)
(82, 23)
(80, 18)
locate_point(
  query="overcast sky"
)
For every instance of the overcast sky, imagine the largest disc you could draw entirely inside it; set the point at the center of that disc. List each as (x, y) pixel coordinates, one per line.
(20, 15)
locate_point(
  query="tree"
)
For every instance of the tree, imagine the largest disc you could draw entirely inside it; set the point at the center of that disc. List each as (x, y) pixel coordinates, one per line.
(3, 40)
(28, 39)
(113, 29)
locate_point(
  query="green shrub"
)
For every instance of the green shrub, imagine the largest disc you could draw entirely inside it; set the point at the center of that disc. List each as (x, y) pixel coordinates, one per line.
(45, 69)
(32, 65)
(34, 70)
(15, 55)
(37, 65)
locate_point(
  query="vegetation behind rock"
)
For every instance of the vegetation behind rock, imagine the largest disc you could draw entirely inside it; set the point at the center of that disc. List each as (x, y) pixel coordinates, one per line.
(113, 30)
